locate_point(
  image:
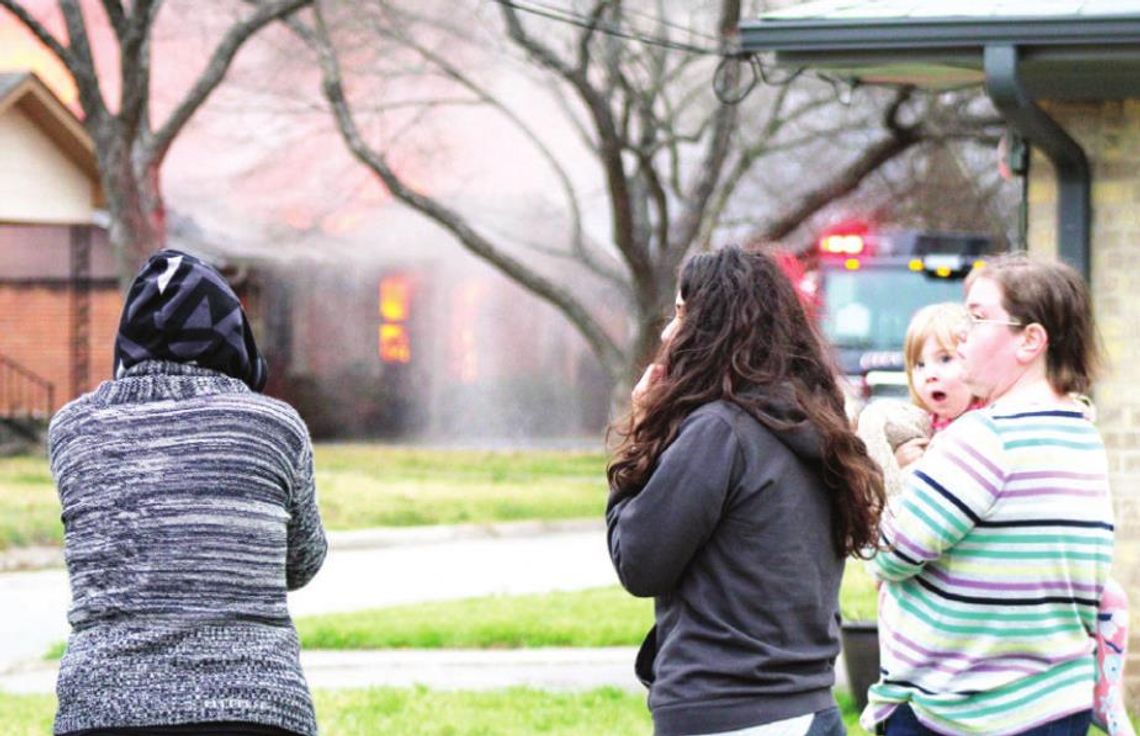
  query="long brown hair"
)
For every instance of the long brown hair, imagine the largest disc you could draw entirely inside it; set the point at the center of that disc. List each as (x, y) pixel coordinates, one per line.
(746, 339)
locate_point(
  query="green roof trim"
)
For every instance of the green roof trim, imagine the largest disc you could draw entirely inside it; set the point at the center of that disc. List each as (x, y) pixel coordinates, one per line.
(836, 9)
(878, 34)
(1070, 49)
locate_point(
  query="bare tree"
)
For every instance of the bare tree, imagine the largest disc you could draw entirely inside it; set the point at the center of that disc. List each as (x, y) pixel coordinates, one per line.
(672, 157)
(130, 150)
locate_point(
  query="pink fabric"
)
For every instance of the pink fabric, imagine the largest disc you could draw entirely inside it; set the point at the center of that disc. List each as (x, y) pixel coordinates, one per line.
(937, 424)
(1111, 643)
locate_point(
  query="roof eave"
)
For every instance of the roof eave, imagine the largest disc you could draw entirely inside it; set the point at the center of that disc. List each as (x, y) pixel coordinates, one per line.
(1077, 58)
(885, 34)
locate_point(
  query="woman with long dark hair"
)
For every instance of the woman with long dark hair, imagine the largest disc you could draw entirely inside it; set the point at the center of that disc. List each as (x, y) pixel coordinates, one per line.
(737, 490)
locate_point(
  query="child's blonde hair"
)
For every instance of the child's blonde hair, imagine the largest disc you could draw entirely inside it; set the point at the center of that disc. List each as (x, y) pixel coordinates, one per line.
(943, 321)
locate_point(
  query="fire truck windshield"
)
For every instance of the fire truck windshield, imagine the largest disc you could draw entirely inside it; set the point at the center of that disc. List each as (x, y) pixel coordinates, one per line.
(869, 309)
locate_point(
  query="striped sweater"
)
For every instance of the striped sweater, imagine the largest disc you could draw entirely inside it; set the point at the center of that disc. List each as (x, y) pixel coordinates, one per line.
(188, 509)
(998, 550)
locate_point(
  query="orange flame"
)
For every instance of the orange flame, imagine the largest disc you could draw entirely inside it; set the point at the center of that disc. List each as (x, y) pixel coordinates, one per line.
(395, 298)
(395, 347)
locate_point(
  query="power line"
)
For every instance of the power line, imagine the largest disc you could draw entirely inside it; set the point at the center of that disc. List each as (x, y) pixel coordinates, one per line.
(568, 16)
(660, 20)
(758, 71)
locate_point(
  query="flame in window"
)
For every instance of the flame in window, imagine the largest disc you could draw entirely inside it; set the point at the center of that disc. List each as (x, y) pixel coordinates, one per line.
(395, 307)
(395, 298)
(395, 347)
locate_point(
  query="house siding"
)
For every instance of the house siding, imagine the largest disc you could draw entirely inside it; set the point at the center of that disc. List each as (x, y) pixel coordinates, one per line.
(38, 183)
(1110, 135)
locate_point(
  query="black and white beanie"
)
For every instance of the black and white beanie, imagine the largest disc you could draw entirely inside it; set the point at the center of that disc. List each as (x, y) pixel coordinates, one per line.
(182, 310)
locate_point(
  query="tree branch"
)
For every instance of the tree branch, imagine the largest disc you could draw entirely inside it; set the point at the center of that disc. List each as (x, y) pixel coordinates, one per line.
(609, 150)
(609, 354)
(452, 72)
(588, 34)
(83, 71)
(696, 204)
(41, 33)
(899, 140)
(134, 63)
(118, 18)
(216, 69)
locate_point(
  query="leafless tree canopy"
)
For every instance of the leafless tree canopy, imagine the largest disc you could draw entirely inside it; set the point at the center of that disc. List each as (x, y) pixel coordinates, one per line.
(643, 90)
(635, 81)
(129, 145)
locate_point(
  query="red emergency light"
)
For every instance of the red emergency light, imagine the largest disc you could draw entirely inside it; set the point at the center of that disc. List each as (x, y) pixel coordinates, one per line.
(846, 239)
(847, 245)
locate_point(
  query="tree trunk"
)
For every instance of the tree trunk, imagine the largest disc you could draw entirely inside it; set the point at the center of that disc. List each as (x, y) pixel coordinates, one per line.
(137, 212)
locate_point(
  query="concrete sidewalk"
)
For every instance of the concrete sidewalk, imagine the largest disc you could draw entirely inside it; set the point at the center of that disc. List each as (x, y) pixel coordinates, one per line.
(28, 559)
(373, 568)
(365, 569)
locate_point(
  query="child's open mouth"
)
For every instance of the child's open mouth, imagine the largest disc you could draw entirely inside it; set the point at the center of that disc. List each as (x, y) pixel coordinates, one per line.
(938, 395)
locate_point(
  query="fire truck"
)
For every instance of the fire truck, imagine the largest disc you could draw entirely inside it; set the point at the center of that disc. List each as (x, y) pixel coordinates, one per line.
(865, 283)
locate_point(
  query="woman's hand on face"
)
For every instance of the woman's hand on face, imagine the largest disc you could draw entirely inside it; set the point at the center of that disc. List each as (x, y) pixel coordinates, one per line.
(911, 450)
(654, 372)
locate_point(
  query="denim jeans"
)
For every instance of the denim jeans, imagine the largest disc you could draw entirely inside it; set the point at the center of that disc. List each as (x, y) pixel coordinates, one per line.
(827, 723)
(904, 723)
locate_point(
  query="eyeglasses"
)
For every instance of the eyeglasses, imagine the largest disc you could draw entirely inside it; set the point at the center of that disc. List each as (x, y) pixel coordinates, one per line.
(969, 322)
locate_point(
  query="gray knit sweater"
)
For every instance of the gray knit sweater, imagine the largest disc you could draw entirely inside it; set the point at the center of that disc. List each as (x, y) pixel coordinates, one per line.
(188, 509)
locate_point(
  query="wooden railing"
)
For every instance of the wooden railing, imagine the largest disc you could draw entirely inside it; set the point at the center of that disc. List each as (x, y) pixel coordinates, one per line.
(23, 394)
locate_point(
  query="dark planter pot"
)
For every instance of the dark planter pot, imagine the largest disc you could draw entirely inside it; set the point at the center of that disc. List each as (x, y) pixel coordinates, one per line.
(860, 641)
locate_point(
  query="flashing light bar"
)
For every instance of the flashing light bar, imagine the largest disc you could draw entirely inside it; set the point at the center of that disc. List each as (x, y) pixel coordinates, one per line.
(843, 244)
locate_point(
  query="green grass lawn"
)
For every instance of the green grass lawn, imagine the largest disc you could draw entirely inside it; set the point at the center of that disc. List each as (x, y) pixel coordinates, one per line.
(27, 715)
(368, 485)
(422, 712)
(599, 617)
(29, 508)
(371, 485)
(858, 598)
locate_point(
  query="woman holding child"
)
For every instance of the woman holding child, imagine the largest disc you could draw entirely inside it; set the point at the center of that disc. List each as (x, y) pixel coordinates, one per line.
(737, 491)
(999, 546)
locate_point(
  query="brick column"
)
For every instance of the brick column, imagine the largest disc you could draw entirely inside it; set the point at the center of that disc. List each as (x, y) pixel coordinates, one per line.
(1110, 135)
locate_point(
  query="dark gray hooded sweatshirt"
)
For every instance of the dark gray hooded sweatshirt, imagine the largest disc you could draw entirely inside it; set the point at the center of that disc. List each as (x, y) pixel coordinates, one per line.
(732, 537)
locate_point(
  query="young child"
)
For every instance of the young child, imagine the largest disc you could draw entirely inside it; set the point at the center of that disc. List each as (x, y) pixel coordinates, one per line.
(896, 435)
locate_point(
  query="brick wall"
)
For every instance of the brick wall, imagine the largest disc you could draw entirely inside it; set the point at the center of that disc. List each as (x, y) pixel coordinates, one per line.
(36, 330)
(1110, 135)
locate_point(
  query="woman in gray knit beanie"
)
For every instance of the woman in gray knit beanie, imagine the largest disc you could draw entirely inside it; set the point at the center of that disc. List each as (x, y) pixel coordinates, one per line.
(189, 509)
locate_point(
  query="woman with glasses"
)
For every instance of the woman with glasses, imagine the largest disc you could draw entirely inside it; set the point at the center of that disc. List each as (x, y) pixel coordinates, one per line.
(996, 554)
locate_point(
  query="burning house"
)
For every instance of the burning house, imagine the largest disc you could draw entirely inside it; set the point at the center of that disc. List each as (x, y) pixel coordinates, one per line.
(364, 345)
(417, 348)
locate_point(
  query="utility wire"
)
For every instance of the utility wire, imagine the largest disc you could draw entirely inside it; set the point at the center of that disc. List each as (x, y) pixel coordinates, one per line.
(569, 16)
(657, 19)
(758, 71)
